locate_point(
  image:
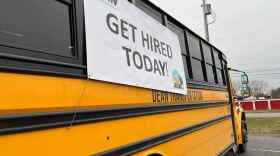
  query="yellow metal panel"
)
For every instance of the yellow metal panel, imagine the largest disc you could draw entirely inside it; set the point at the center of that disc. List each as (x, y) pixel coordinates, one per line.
(28, 93)
(91, 138)
(238, 120)
(21, 93)
(198, 143)
(223, 140)
(205, 149)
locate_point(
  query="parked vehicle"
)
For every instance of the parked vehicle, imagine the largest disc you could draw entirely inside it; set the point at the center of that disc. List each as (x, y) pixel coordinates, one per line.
(94, 77)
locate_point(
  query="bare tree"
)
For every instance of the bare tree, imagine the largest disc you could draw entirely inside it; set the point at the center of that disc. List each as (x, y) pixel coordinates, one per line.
(258, 88)
(275, 93)
(237, 87)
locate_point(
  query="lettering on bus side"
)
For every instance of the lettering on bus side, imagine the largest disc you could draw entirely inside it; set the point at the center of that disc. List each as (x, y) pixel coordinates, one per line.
(162, 96)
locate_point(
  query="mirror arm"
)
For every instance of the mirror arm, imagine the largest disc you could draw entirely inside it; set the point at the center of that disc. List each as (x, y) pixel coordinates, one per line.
(237, 70)
(248, 91)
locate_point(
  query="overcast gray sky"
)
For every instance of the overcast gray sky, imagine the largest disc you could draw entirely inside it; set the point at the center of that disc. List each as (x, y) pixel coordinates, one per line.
(247, 31)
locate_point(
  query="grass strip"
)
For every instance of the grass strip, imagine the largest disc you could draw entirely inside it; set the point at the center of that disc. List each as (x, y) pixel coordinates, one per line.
(264, 126)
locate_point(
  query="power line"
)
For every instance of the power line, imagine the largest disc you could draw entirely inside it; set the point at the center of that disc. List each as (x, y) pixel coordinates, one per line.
(249, 33)
(260, 76)
(263, 63)
(268, 70)
(259, 72)
(263, 74)
(254, 61)
(247, 38)
(253, 68)
(264, 71)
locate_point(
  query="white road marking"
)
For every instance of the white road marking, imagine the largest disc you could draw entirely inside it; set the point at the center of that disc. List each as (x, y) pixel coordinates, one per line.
(263, 115)
(264, 150)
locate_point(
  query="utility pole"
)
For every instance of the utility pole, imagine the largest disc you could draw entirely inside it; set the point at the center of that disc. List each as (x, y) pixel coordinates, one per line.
(205, 13)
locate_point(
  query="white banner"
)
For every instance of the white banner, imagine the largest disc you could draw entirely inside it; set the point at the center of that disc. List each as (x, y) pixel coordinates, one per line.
(127, 46)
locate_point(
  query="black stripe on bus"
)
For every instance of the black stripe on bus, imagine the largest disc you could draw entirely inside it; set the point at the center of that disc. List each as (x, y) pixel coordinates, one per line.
(151, 142)
(229, 147)
(42, 61)
(38, 121)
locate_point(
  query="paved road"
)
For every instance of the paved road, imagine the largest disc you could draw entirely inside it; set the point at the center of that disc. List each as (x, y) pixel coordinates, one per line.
(262, 146)
(263, 115)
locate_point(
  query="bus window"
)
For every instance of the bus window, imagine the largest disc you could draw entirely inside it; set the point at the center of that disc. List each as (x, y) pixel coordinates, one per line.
(209, 63)
(220, 76)
(224, 66)
(196, 58)
(217, 59)
(219, 69)
(149, 10)
(185, 66)
(197, 69)
(36, 25)
(194, 47)
(181, 35)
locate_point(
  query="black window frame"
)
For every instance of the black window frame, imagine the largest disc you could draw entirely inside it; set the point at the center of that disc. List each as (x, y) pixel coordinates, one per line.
(24, 60)
(201, 60)
(183, 45)
(191, 82)
(224, 67)
(209, 64)
(219, 67)
(148, 6)
(76, 66)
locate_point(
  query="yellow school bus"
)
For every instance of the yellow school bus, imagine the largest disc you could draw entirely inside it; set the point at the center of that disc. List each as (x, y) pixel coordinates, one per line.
(51, 106)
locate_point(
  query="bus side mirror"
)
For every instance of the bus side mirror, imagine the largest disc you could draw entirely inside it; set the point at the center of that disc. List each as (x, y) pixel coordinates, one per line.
(244, 79)
(246, 91)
